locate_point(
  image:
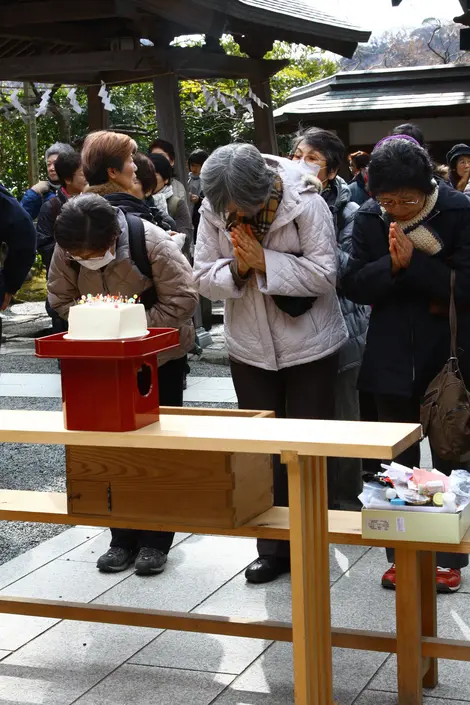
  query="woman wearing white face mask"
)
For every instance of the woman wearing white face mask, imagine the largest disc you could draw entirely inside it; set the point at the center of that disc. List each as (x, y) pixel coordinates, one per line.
(93, 256)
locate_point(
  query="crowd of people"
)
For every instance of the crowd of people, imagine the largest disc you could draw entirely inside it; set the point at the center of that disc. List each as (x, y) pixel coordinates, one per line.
(336, 294)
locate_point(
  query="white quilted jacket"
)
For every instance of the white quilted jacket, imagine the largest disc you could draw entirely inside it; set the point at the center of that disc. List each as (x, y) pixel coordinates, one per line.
(258, 333)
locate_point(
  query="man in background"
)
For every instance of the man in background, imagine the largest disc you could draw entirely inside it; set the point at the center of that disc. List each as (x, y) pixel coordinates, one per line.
(41, 192)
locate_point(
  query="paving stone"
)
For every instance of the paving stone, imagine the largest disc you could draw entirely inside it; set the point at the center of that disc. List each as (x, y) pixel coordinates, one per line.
(63, 664)
(201, 652)
(269, 681)
(4, 654)
(196, 568)
(45, 553)
(16, 630)
(65, 580)
(89, 552)
(141, 685)
(373, 697)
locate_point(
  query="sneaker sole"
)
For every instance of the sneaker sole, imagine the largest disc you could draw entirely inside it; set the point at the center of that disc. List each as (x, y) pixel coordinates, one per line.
(388, 585)
(446, 589)
(147, 571)
(115, 569)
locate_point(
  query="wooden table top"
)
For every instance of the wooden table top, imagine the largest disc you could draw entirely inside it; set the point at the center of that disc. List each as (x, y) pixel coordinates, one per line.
(222, 433)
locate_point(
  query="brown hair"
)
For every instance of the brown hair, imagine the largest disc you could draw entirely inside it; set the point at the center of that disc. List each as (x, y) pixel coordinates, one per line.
(105, 150)
(145, 172)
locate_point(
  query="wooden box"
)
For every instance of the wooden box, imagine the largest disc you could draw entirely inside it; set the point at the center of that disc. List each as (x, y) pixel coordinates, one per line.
(198, 488)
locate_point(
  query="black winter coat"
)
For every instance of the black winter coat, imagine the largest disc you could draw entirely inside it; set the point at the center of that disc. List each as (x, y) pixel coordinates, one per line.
(17, 241)
(408, 341)
(45, 226)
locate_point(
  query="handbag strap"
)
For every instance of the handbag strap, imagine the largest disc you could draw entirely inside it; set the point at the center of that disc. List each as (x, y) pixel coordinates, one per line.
(453, 317)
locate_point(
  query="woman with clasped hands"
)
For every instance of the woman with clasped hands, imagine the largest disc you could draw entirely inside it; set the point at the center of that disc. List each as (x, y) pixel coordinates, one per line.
(266, 245)
(406, 241)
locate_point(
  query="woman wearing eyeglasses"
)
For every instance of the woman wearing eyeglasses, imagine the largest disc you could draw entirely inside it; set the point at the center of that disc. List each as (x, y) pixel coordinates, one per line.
(405, 243)
(458, 161)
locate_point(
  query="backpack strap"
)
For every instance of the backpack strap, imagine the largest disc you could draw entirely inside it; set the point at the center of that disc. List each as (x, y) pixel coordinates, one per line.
(140, 257)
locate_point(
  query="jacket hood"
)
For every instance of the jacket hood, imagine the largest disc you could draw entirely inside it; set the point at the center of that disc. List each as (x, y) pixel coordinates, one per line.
(130, 204)
(295, 183)
(458, 150)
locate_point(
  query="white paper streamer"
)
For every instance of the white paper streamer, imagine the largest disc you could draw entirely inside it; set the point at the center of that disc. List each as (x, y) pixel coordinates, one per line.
(211, 101)
(43, 105)
(72, 97)
(105, 98)
(256, 100)
(15, 101)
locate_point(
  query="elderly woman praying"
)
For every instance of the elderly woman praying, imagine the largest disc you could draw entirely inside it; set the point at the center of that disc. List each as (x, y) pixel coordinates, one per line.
(266, 245)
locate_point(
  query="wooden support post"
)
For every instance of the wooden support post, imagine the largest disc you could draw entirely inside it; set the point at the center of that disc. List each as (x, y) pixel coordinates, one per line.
(311, 617)
(31, 136)
(170, 122)
(98, 117)
(408, 607)
(429, 611)
(265, 128)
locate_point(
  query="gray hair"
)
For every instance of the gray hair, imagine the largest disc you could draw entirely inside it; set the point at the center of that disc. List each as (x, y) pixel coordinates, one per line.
(237, 174)
(58, 148)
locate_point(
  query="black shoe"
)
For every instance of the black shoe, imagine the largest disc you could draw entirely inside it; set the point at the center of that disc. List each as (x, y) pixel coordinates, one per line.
(150, 561)
(115, 560)
(267, 568)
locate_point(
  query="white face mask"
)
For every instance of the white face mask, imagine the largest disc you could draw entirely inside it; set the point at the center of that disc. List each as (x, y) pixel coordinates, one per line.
(308, 167)
(96, 262)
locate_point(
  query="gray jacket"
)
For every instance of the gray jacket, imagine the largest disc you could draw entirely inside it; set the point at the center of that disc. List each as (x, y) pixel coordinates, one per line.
(338, 198)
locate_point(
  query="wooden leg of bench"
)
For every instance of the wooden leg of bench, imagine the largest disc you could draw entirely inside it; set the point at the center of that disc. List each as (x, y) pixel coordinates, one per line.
(429, 611)
(409, 659)
(311, 622)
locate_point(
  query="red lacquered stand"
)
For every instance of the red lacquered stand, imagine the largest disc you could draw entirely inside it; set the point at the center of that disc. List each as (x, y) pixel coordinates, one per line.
(109, 385)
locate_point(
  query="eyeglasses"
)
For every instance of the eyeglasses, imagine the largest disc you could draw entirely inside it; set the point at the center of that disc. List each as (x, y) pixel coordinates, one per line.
(308, 160)
(388, 203)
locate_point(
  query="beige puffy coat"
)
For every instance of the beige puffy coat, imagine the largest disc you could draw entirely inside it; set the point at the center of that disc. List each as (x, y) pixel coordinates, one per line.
(172, 279)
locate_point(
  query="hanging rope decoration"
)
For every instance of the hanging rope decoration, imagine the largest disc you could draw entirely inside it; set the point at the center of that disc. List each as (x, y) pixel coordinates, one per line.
(105, 98)
(212, 98)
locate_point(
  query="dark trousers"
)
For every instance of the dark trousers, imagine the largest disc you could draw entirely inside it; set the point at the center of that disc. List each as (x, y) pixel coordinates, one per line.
(401, 409)
(299, 392)
(170, 383)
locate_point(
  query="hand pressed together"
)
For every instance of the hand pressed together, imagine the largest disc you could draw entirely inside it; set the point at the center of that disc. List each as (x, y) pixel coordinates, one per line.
(401, 248)
(248, 251)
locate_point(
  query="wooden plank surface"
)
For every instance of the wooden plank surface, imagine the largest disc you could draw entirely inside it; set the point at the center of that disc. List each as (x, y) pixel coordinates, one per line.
(344, 527)
(219, 433)
(408, 610)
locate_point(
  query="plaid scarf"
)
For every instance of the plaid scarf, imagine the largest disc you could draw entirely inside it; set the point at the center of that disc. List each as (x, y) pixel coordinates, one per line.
(261, 221)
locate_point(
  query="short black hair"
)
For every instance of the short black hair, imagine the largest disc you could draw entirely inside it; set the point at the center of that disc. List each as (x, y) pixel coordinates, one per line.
(325, 142)
(165, 146)
(400, 164)
(86, 222)
(145, 172)
(66, 164)
(162, 166)
(410, 129)
(199, 156)
(360, 159)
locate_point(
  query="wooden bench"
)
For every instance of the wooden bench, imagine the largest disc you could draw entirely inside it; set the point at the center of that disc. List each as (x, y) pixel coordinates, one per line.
(304, 446)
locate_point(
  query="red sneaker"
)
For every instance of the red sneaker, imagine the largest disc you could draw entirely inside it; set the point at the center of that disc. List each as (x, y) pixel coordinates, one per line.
(447, 579)
(389, 578)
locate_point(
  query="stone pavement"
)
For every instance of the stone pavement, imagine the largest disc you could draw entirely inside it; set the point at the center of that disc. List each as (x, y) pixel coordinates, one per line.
(49, 662)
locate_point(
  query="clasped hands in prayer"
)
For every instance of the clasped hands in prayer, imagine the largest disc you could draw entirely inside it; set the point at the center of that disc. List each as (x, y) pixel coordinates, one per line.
(401, 248)
(249, 253)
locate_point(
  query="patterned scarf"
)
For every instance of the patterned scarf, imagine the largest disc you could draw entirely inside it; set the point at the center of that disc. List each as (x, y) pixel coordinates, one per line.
(262, 221)
(421, 234)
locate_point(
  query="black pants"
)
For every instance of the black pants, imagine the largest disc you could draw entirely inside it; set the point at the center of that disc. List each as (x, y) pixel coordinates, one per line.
(401, 409)
(170, 383)
(299, 392)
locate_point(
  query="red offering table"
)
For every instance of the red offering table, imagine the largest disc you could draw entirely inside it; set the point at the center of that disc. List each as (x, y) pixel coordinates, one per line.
(109, 385)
